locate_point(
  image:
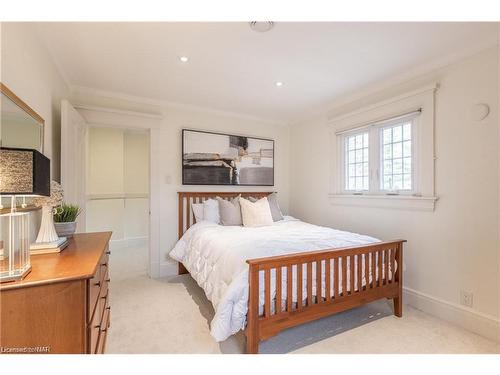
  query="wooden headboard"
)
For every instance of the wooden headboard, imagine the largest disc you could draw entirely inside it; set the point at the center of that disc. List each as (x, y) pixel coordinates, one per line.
(186, 217)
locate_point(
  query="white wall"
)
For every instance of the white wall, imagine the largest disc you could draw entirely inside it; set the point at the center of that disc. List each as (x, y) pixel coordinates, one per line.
(166, 145)
(456, 247)
(27, 69)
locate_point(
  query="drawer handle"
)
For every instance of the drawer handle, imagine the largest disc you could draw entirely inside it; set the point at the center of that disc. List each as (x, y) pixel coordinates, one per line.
(97, 283)
(104, 264)
(108, 252)
(98, 326)
(108, 308)
(104, 330)
(108, 280)
(106, 296)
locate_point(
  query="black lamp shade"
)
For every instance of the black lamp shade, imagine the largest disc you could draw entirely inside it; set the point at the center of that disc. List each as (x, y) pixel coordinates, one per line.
(24, 172)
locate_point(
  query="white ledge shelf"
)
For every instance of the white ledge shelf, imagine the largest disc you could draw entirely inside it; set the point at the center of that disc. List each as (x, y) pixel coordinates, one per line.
(401, 202)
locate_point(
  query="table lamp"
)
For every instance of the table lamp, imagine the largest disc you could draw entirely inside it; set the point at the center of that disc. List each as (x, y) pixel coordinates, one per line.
(23, 172)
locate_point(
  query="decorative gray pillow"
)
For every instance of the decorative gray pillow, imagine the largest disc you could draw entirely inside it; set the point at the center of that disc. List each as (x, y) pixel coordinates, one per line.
(230, 211)
(275, 207)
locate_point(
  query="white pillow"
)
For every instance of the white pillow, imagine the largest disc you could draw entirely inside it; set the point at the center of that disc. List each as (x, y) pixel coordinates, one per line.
(197, 211)
(255, 214)
(211, 211)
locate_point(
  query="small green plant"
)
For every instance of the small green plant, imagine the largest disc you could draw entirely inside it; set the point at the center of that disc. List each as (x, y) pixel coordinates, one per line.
(66, 213)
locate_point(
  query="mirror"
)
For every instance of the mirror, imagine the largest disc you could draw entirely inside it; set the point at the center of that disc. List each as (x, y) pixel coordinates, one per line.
(20, 127)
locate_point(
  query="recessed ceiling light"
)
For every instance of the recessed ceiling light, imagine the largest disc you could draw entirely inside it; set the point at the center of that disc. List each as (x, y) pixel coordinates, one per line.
(279, 84)
(261, 26)
(183, 59)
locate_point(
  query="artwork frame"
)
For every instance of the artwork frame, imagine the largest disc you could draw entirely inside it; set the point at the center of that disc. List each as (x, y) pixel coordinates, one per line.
(238, 160)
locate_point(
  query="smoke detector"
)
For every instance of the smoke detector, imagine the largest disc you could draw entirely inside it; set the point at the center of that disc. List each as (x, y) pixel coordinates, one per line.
(260, 26)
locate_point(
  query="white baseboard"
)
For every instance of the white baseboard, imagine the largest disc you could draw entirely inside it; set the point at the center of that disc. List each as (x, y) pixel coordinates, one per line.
(126, 242)
(168, 269)
(482, 324)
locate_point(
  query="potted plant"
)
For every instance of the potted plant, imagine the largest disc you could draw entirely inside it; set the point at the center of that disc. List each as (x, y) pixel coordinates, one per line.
(65, 219)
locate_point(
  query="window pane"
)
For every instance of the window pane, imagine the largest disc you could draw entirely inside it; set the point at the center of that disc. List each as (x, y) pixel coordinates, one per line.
(388, 151)
(352, 170)
(397, 182)
(359, 156)
(359, 169)
(407, 181)
(352, 184)
(359, 141)
(397, 166)
(407, 131)
(351, 157)
(387, 167)
(407, 148)
(387, 136)
(359, 183)
(351, 143)
(396, 157)
(397, 150)
(388, 182)
(407, 165)
(356, 163)
(397, 134)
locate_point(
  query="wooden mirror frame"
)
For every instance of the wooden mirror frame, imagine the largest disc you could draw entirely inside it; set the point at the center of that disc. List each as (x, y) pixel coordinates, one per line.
(26, 108)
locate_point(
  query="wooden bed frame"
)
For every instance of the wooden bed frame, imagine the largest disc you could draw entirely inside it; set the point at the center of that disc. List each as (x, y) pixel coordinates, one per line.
(381, 258)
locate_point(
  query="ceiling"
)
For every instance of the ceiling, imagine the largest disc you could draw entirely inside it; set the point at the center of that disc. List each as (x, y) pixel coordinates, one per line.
(233, 68)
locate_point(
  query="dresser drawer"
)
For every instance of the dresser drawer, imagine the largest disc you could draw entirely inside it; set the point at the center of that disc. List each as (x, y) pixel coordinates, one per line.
(103, 334)
(94, 330)
(94, 290)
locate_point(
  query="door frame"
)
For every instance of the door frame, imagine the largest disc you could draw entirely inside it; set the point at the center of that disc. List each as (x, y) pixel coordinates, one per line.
(120, 119)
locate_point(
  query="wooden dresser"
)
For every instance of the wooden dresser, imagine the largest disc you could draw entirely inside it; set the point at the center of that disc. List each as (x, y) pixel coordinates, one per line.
(62, 305)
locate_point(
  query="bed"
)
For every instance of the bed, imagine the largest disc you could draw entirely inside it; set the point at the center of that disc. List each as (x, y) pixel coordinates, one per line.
(264, 280)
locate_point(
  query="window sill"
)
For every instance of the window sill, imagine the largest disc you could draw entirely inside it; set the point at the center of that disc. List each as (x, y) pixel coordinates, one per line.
(401, 202)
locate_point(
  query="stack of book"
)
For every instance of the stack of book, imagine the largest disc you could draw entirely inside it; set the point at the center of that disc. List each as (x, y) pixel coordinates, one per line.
(49, 247)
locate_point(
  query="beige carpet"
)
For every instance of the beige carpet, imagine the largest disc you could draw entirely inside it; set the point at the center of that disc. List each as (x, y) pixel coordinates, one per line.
(172, 315)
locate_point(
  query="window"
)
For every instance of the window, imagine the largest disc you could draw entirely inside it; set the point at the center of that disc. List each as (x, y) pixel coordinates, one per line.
(379, 158)
(396, 158)
(356, 156)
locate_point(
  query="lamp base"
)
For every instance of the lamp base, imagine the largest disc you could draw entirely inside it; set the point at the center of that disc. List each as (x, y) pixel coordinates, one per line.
(49, 247)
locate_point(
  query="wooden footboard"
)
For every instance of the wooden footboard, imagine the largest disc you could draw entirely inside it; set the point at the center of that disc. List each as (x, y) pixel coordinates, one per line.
(302, 287)
(311, 295)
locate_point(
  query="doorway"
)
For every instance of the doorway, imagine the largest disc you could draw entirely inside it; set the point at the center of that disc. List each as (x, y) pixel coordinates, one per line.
(117, 195)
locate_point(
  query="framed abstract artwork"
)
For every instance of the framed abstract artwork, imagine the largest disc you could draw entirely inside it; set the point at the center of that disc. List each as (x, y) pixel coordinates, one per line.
(224, 159)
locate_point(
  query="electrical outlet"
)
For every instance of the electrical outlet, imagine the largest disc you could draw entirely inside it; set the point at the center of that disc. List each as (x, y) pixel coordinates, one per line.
(466, 298)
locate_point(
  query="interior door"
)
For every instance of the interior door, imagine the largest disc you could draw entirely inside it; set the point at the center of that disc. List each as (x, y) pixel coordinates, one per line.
(74, 133)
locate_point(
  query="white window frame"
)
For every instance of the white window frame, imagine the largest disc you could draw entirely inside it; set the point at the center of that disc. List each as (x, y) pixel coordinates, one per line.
(375, 142)
(377, 116)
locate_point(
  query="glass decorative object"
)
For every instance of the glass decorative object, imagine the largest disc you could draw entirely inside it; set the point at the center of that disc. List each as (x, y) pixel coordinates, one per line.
(14, 246)
(23, 172)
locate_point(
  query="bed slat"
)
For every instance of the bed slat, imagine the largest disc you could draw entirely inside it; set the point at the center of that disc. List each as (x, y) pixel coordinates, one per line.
(344, 276)
(278, 291)
(289, 280)
(319, 275)
(299, 286)
(309, 284)
(328, 280)
(335, 278)
(367, 272)
(267, 291)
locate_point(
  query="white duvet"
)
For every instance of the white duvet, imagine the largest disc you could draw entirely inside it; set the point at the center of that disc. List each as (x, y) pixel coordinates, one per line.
(216, 255)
